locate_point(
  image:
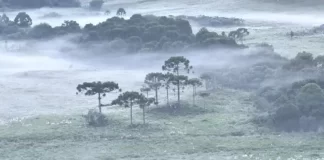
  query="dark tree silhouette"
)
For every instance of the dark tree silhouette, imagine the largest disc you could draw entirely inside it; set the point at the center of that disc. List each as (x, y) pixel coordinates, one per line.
(129, 99)
(99, 88)
(42, 30)
(121, 12)
(154, 81)
(194, 82)
(177, 65)
(71, 26)
(23, 20)
(239, 34)
(4, 19)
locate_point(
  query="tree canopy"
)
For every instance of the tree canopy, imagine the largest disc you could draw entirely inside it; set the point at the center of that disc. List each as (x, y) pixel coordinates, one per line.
(154, 81)
(138, 33)
(99, 88)
(129, 99)
(23, 20)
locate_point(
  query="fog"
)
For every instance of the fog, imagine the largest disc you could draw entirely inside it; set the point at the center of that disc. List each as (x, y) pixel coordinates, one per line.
(40, 77)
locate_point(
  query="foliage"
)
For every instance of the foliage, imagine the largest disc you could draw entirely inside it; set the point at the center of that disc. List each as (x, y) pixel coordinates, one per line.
(310, 100)
(68, 27)
(204, 39)
(287, 117)
(303, 60)
(121, 12)
(23, 20)
(129, 99)
(137, 34)
(154, 81)
(42, 30)
(96, 4)
(177, 65)
(145, 89)
(95, 118)
(99, 88)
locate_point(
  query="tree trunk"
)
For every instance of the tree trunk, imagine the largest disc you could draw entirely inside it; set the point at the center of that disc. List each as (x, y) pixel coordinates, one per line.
(178, 85)
(131, 113)
(168, 96)
(143, 114)
(99, 100)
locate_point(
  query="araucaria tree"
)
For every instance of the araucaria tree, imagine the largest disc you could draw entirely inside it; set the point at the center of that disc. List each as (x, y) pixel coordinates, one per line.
(121, 12)
(177, 65)
(154, 81)
(167, 82)
(130, 99)
(99, 88)
(194, 82)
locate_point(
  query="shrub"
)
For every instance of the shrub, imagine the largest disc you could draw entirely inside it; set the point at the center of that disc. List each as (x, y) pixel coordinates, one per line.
(286, 118)
(310, 100)
(96, 119)
(42, 30)
(299, 107)
(301, 61)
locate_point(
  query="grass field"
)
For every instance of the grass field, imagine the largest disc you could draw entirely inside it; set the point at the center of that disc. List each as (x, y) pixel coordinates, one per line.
(220, 130)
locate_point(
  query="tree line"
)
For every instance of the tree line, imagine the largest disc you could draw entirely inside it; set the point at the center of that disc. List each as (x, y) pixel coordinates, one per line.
(137, 34)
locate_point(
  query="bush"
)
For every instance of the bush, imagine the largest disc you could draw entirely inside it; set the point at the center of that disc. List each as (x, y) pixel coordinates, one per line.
(96, 119)
(42, 30)
(96, 4)
(301, 61)
(286, 118)
(153, 33)
(310, 100)
(298, 107)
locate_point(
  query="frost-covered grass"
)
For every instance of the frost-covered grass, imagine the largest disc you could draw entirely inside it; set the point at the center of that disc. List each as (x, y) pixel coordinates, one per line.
(221, 130)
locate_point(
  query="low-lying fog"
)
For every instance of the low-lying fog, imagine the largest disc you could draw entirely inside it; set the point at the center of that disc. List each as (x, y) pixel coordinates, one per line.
(41, 77)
